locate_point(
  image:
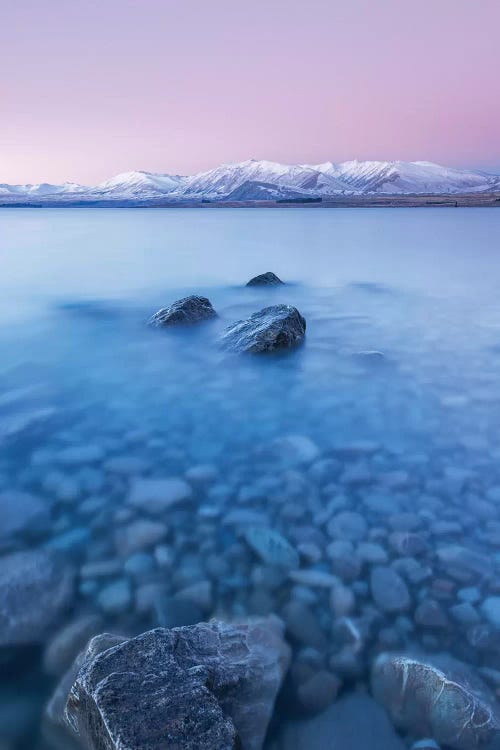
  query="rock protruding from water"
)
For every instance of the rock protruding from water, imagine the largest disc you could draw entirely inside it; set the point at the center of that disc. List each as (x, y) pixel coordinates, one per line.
(265, 279)
(210, 686)
(186, 311)
(273, 328)
(438, 697)
(35, 589)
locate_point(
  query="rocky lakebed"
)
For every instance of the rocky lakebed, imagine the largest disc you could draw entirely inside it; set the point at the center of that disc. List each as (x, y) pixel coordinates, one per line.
(267, 520)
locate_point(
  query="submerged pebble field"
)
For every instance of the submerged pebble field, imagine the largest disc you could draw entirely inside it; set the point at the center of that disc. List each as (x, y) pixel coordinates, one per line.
(350, 487)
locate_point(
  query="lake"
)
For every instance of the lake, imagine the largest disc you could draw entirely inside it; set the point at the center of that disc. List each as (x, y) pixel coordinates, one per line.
(373, 449)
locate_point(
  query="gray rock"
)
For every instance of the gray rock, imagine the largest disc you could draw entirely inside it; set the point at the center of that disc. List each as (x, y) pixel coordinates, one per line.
(22, 513)
(158, 495)
(273, 328)
(185, 311)
(464, 564)
(355, 722)
(265, 279)
(437, 697)
(206, 687)
(35, 589)
(55, 728)
(271, 547)
(389, 591)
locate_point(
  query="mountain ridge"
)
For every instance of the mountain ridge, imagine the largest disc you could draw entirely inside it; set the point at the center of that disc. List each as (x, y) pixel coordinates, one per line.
(264, 180)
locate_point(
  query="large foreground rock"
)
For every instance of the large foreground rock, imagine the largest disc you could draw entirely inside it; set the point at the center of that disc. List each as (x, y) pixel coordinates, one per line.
(35, 588)
(209, 686)
(265, 279)
(184, 311)
(438, 697)
(275, 327)
(356, 722)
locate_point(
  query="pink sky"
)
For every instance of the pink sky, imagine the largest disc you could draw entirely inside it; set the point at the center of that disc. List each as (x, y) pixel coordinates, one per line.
(90, 88)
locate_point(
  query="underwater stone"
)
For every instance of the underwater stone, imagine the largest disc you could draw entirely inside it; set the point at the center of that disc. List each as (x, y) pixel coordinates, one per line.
(438, 697)
(273, 328)
(35, 589)
(158, 495)
(272, 547)
(185, 311)
(210, 686)
(265, 279)
(22, 513)
(389, 591)
(355, 721)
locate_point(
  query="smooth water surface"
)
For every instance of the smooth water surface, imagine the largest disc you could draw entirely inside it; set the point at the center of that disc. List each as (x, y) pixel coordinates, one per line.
(396, 462)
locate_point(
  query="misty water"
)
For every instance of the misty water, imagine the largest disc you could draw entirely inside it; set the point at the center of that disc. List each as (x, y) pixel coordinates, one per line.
(376, 443)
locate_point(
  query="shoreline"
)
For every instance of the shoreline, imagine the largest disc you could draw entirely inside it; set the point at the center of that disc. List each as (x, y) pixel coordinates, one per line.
(463, 200)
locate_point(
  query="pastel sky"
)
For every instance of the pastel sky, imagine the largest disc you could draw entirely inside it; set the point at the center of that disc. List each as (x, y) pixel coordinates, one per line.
(90, 88)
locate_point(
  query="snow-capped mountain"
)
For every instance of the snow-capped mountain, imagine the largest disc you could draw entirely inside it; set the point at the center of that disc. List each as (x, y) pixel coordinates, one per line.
(399, 177)
(41, 189)
(139, 184)
(253, 180)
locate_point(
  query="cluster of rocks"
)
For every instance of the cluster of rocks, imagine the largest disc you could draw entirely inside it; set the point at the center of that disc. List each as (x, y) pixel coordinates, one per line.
(270, 329)
(381, 561)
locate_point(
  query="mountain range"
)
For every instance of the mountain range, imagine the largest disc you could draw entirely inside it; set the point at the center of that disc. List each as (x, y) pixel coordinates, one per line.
(255, 180)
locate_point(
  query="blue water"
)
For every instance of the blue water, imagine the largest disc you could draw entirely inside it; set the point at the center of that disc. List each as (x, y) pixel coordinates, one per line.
(418, 285)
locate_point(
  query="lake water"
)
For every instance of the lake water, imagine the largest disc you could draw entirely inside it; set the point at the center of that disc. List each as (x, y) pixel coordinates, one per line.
(360, 461)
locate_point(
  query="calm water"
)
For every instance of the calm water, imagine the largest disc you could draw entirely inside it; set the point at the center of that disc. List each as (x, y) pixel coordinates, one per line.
(91, 400)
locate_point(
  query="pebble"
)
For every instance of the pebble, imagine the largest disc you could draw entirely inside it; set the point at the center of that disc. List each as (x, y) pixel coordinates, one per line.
(388, 589)
(115, 598)
(348, 525)
(313, 578)
(138, 536)
(156, 496)
(490, 609)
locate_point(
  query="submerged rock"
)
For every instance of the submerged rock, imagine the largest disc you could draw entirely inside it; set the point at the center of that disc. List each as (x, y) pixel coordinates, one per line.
(184, 311)
(22, 513)
(35, 588)
(158, 495)
(271, 547)
(275, 327)
(265, 279)
(390, 593)
(211, 686)
(438, 697)
(355, 721)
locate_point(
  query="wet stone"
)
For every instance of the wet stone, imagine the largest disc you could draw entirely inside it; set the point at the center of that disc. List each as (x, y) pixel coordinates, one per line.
(185, 311)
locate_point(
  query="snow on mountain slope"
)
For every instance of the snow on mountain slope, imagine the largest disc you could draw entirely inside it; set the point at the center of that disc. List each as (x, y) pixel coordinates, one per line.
(398, 177)
(258, 180)
(42, 189)
(139, 184)
(228, 177)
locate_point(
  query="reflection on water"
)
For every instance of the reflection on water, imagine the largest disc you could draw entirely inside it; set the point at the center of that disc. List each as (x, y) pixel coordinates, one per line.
(372, 449)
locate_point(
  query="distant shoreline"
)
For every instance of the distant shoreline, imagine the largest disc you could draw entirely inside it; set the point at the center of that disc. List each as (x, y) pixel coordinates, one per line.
(465, 200)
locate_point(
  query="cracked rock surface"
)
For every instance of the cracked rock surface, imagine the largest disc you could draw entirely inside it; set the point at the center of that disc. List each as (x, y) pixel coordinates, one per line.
(210, 686)
(438, 697)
